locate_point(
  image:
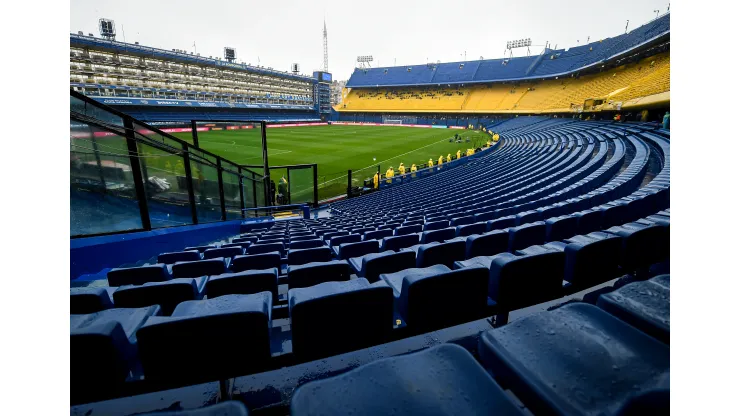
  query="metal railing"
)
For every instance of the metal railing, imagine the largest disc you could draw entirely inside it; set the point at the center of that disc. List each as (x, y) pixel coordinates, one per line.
(128, 176)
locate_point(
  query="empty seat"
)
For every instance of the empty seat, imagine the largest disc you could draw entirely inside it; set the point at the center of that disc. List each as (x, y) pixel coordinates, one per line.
(389, 226)
(229, 336)
(102, 350)
(308, 255)
(351, 238)
(314, 273)
(256, 262)
(436, 225)
(574, 360)
(200, 268)
(245, 245)
(644, 305)
(303, 237)
(335, 317)
(408, 385)
(590, 259)
(297, 245)
(85, 300)
(170, 258)
(408, 229)
(165, 294)
(201, 249)
(348, 250)
(642, 244)
(533, 275)
(266, 248)
(227, 408)
(328, 236)
(488, 244)
(528, 216)
(228, 252)
(440, 253)
(502, 223)
(437, 235)
(470, 229)
(246, 239)
(138, 275)
(462, 220)
(612, 214)
(526, 235)
(436, 297)
(588, 221)
(244, 283)
(560, 228)
(371, 266)
(398, 242)
(377, 234)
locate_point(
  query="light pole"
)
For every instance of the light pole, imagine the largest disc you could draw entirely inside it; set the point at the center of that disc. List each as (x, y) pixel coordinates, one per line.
(657, 12)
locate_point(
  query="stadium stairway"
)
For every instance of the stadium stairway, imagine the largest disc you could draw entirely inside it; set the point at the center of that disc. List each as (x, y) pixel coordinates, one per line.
(318, 316)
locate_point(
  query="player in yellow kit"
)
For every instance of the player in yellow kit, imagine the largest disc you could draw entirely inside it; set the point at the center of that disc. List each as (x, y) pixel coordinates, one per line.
(401, 169)
(449, 158)
(389, 174)
(458, 154)
(430, 163)
(376, 180)
(413, 170)
(441, 160)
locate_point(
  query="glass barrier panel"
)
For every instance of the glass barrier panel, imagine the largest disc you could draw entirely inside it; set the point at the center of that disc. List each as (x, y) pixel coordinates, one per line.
(300, 185)
(165, 185)
(279, 192)
(231, 195)
(79, 106)
(248, 184)
(260, 192)
(102, 190)
(238, 141)
(205, 188)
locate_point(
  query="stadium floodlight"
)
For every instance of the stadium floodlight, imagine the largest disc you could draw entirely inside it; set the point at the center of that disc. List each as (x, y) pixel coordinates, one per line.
(365, 58)
(295, 68)
(229, 53)
(107, 28)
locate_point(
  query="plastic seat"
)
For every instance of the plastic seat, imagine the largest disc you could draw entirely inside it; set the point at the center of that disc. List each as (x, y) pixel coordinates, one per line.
(351, 238)
(436, 297)
(171, 258)
(244, 283)
(501, 223)
(377, 235)
(200, 268)
(371, 266)
(560, 228)
(398, 242)
(138, 275)
(440, 253)
(201, 249)
(406, 388)
(436, 225)
(526, 235)
(644, 305)
(574, 360)
(643, 244)
(309, 255)
(335, 317)
(470, 229)
(588, 221)
(439, 235)
(488, 244)
(228, 252)
(256, 262)
(591, 259)
(314, 273)
(307, 244)
(213, 330)
(266, 248)
(85, 300)
(346, 251)
(408, 229)
(165, 294)
(327, 236)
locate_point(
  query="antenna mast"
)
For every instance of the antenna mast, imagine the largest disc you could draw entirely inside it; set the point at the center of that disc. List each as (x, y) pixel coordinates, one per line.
(326, 50)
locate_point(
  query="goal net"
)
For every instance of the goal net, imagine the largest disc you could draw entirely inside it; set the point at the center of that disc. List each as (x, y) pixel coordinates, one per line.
(391, 121)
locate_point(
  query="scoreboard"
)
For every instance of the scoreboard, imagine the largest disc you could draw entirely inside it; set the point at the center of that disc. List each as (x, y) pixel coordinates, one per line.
(322, 76)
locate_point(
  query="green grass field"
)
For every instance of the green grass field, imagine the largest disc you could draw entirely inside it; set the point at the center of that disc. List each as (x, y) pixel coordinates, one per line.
(335, 149)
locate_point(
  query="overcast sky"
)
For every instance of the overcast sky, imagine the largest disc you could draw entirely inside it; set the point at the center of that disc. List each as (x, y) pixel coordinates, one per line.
(280, 32)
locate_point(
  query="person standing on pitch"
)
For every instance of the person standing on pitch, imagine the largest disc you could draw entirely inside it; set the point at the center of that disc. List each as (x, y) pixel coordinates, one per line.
(389, 174)
(430, 163)
(401, 169)
(440, 161)
(449, 158)
(376, 180)
(413, 170)
(458, 153)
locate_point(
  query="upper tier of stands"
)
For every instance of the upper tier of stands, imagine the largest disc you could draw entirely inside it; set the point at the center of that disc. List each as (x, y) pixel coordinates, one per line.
(552, 63)
(649, 76)
(318, 316)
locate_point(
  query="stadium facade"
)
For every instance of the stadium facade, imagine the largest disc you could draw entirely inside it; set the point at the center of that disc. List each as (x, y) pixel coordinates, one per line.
(629, 72)
(155, 84)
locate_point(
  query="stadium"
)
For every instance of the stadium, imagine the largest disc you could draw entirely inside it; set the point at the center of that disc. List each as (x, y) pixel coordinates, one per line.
(486, 236)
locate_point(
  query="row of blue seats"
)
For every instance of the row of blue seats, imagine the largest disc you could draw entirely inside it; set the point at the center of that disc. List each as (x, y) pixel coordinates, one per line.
(546, 363)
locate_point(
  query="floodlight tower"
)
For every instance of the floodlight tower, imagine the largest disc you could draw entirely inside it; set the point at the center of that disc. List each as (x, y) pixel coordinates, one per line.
(326, 50)
(107, 28)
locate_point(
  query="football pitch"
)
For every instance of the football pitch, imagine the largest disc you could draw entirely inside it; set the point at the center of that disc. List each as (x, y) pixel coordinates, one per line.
(336, 149)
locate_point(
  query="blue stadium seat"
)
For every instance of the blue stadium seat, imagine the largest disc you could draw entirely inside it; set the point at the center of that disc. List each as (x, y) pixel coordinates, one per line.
(351, 238)
(436, 225)
(165, 294)
(398, 242)
(439, 253)
(408, 229)
(335, 317)
(138, 275)
(213, 330)
(574, 360)
(328, 236)
(228, 252)
(266, 248)
(256, 262)
(408, 385)
(103, 350)
(244, 283)
(85, 300)
(436, 297)
(202, 249)
(590, 259)
(377, 235)
(245, 245)
(346, 251)
(171, 258)
(642, 244)
(488, 244)
(438, 235)
(501, 223)
(314, 273)
(470, 229)
(560, 228)
(200, 268)
(588, 221)
(309, 255)
(462, 220)
(371, 266)
(526, 235)
(644, 305)
(297, 245)
(227, 408)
